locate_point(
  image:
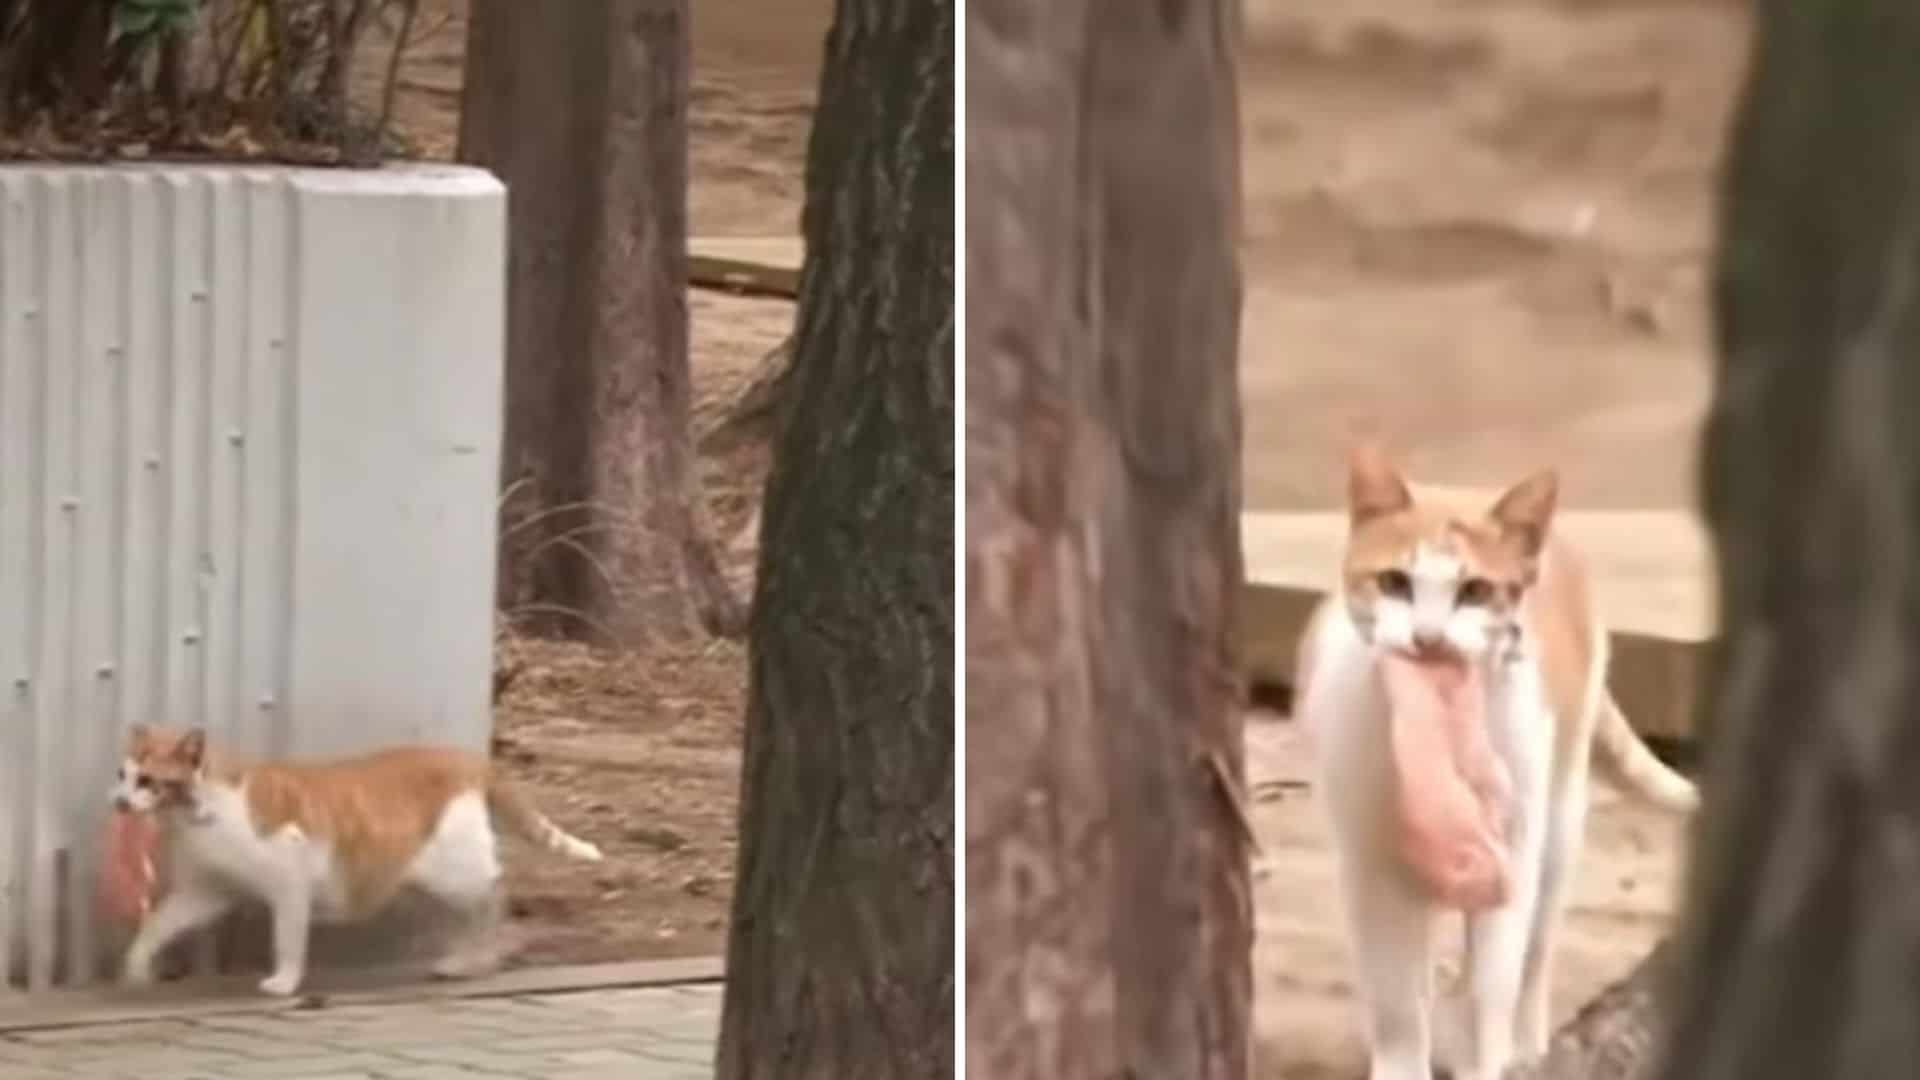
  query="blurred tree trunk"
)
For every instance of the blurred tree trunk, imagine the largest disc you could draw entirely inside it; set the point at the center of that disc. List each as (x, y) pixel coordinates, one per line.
(52, 56)
(840, 955)
(581, 108)
(1799, 949)
(1108, 904)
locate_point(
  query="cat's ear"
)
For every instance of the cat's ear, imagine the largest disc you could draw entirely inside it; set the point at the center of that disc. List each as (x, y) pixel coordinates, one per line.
(1374, 485)
(1525, 511)
(139, 740)
(191, 750)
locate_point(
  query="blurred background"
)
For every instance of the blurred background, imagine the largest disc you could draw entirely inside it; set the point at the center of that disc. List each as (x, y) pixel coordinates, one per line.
(1480, 228)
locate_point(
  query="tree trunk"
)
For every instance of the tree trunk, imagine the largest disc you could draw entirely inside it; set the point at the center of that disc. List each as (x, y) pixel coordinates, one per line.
(1800, 940)
(582, 109)
(1109, 913)
(1796, 952)
(56, 58)
(1616, 1035)
(840, 957)
(755, 410)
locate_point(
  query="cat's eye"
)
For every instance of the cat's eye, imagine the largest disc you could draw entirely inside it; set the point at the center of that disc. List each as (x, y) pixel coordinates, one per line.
(1394, 583)
(143, 782)
(1475, 592)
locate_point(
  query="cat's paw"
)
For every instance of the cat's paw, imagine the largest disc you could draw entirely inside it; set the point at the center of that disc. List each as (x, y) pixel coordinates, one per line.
(281, 983)
(467, 964)
(1452, 1035)
(137, 973)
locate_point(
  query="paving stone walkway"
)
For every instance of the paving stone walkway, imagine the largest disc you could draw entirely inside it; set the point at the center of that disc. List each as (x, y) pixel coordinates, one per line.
(642, 1033)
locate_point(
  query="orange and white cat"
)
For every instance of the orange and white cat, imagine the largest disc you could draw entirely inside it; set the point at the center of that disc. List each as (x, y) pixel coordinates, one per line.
(324, 842)
(1480, 578)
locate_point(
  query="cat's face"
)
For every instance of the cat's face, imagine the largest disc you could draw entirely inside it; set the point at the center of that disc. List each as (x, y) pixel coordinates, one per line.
(1427, 579)
(160, 770)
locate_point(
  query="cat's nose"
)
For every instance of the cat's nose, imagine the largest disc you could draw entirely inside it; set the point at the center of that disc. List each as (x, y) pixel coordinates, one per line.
(1429, 640)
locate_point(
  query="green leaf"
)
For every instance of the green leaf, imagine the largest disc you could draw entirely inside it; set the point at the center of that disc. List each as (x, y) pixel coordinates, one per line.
(144, 18)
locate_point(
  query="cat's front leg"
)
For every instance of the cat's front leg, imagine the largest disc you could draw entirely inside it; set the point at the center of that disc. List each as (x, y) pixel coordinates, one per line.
(1390, 928)
(1499, 939)
(291, 903)
(188, 907)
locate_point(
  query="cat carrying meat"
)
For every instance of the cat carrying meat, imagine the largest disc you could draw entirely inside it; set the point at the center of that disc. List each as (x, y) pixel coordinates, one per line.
(324, 842)
(1454, 688)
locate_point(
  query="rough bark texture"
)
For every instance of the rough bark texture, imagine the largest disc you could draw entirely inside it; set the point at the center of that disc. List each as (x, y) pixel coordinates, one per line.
(1108, 913)
(840, 956)
(1801, 944)
(582, 109)
(756, 410)
(1617, 1034)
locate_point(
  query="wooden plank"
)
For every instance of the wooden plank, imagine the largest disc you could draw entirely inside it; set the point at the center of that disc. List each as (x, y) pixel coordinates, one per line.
(752, 265)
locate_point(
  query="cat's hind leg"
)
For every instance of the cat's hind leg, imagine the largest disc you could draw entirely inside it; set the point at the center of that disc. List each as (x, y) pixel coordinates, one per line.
(1499, 941)
(476, 947)
(1559, 858)
(460, 867)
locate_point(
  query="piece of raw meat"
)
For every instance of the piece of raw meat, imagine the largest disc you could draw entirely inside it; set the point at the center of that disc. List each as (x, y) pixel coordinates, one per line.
(1453, 791)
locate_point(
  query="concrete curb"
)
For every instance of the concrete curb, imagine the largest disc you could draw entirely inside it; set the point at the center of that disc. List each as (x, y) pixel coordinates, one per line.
(236, 994)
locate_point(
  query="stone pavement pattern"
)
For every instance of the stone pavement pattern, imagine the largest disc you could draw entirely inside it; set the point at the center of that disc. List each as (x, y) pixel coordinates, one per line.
(645, 1033)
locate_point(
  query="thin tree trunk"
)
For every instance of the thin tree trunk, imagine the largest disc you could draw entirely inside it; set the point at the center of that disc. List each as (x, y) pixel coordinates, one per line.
(1109, 913)
(58, 59)
(840, 956)
(582, 109)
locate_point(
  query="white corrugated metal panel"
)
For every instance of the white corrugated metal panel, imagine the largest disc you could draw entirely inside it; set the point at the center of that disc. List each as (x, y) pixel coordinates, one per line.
(249, 439)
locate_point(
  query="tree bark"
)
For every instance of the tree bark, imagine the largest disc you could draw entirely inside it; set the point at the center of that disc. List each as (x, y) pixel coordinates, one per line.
(1800, 938)
(755, 411)
(57, 59)
(840, 955)
(582, 109)
(1109, 913)
(1796, 953)
(1616, 1035)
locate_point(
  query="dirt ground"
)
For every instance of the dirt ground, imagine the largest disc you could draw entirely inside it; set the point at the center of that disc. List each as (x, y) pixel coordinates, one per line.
(641, 752)
(1479, 229)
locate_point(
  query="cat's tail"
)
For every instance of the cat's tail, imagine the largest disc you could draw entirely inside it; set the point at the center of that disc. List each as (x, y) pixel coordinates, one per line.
(511, 806)
(1636, 767)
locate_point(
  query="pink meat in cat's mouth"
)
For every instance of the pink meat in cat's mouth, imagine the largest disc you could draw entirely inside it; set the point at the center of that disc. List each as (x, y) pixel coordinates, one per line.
(1453, 791)
(127, 877)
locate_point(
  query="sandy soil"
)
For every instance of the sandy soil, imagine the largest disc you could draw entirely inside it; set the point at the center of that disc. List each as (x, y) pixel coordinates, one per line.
(1479, 229)
(640, 752)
